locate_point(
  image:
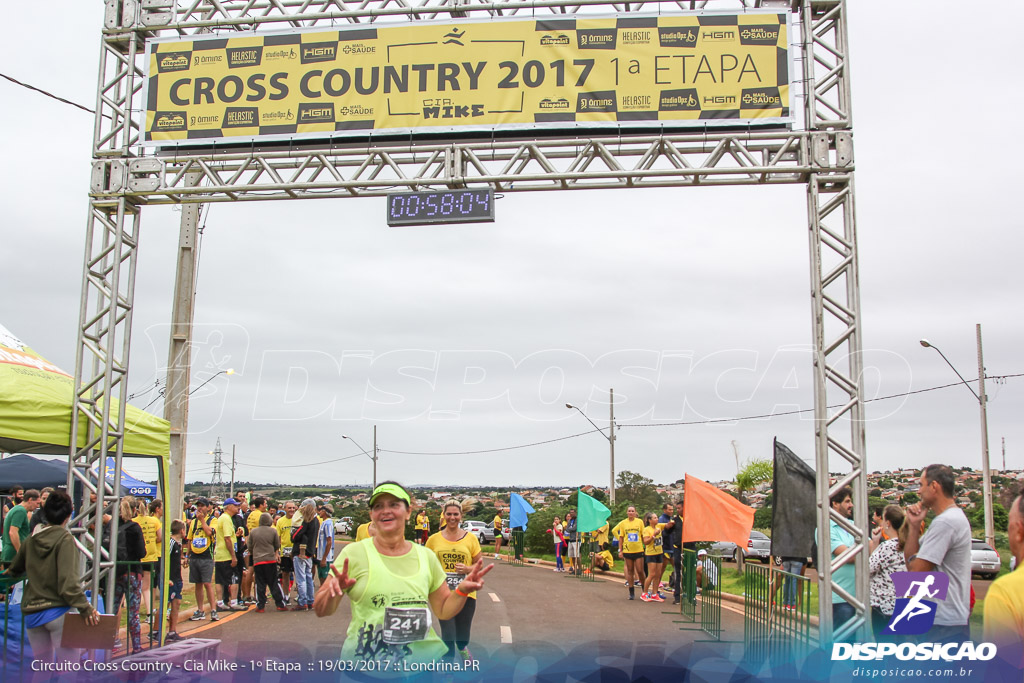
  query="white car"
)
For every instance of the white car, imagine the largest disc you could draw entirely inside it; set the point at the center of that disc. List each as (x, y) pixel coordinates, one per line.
(984, 560)
(484, 532)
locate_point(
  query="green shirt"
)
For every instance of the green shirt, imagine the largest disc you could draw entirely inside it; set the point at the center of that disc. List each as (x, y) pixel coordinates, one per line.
(390, 592)
(18, 518)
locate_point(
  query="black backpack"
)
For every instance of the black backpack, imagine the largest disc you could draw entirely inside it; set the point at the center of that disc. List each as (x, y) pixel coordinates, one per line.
(130, 550)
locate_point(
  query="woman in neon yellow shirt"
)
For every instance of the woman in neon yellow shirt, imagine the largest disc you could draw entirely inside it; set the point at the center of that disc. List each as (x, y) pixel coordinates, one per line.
(631, 547)
(394, 585)
(654, 559)
(457, 550)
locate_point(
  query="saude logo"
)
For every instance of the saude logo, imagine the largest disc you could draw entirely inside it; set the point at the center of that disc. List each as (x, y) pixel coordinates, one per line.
(914, 614)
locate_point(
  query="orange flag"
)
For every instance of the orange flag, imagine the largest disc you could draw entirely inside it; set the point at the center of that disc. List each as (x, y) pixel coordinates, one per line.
(710, 514)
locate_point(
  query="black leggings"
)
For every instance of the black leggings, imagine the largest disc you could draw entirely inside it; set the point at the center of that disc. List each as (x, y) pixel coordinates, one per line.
(455, 631)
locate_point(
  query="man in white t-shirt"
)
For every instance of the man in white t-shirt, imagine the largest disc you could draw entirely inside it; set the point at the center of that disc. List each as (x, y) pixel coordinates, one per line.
(946, 547)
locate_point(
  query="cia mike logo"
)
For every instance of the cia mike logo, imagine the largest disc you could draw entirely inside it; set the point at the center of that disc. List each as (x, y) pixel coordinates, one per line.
(914, 613)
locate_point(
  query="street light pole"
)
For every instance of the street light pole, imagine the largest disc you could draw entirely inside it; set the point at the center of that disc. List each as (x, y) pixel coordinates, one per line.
(371, 457)
(610, 436)
(986, 471)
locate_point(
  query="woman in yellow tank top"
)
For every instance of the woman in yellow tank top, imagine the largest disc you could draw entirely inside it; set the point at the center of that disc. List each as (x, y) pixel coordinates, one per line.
(457, 550)
(654, 559)
(395, 586)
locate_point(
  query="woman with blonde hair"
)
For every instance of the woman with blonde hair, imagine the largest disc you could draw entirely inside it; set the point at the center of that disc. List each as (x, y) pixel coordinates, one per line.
(149, 521)
(654, 558)
(304, 539)
(457, 550)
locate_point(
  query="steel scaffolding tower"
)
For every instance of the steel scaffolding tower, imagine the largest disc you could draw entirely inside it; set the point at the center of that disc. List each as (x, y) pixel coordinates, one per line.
(126, 177)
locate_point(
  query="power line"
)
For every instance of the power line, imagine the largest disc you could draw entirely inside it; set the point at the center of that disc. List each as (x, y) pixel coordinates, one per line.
(308, 464)
(48, 94)
(494, 450)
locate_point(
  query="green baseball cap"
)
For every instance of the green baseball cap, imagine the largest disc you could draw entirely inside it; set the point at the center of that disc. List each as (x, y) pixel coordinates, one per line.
(395, 490)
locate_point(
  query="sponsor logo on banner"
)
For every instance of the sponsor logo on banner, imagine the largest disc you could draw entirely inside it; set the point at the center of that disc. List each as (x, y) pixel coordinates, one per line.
(318, 52)
(195, 122)
(603, 101)
(635, 102)
(760, 35)
(355, 110)
(760, 98)
(679, 100)
(636, 37)
(169, 121)
(359, 49)
(244, 56)
(718, 35)
(287, 52)
(173, 61)
(560, 39)
(276, 117)
(596, 38)
(241, 117)
(560, 103)
(316, 112)
(677, 36)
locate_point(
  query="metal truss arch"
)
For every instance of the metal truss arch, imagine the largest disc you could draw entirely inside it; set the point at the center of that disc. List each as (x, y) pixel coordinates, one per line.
(126, 177)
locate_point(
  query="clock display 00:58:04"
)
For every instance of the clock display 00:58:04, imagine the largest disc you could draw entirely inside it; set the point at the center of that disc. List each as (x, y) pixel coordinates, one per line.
(446, 206)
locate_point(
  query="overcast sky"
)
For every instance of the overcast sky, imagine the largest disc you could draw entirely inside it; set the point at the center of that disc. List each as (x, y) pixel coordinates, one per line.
(692, 303)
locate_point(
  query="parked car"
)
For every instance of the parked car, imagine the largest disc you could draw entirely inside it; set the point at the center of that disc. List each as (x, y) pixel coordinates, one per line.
(985, 561)
(759, 547)
(484, 532)
(343, 525)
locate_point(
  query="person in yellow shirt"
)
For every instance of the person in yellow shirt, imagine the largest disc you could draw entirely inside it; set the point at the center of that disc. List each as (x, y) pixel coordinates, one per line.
(224, 558)
(152, 531)
(603, 561)
(365, 530)
(422, 527)
(654, 558)
(601, 535)
(252, 521)
(284, 530)
(199, 560)
(1004, 602)
(458, 550)
(440, 521)
(497, 534)
(631, 548)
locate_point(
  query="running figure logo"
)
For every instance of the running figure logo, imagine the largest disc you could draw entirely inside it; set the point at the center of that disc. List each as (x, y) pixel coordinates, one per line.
(454, 36)
(915, 611)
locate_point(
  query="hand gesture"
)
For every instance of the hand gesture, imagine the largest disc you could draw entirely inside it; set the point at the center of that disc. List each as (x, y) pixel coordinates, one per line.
(474, 580)
(337, 583)
(915, 514)
(461, 568)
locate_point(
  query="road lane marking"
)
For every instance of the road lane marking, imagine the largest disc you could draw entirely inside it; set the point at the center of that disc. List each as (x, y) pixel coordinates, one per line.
(494, 597)
(506, 634)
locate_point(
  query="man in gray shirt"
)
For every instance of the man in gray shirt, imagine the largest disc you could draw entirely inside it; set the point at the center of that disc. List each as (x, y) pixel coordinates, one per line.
(945, 548)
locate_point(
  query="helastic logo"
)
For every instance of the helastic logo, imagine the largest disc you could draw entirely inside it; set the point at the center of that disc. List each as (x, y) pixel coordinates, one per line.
(915, 610)
(244, 56)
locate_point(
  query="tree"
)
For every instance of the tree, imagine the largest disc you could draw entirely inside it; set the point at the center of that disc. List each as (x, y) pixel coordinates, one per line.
(909, 498)
(885, 483)
(638, 490)
(752, 474)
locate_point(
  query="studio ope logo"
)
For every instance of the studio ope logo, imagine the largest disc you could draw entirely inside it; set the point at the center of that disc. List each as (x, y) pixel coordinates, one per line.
(677, 36)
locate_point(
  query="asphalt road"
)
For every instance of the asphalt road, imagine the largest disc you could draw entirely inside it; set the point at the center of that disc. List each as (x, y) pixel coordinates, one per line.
(526, 616)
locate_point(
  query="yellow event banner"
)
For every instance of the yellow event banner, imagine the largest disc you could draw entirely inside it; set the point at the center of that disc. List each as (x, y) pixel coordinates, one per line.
(426, 77)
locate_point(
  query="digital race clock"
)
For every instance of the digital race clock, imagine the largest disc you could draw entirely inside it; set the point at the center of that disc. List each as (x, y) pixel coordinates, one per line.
(443, 206)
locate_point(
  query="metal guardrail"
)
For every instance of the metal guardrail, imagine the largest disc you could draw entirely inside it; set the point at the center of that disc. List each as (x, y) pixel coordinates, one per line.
(776, 614)
(517, 548)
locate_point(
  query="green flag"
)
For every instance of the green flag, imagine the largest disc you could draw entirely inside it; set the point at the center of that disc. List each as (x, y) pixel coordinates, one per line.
(593, 514)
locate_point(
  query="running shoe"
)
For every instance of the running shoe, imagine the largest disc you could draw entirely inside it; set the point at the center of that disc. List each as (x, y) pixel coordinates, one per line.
(467, 656)
(660, 596)
(282, 609)
(214, 616)
(260, 610)
(657, 598)
(637, 583)
(198, 616)
(173, 637)
(645, 597)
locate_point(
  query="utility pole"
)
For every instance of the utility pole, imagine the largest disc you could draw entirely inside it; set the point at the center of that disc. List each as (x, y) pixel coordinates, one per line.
(374, 458)
(990, 533)
(215, 482)
(1004, 454)
(231, 491)
(611, 443)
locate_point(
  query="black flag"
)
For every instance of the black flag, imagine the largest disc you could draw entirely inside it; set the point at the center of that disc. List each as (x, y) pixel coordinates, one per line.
(794, 508)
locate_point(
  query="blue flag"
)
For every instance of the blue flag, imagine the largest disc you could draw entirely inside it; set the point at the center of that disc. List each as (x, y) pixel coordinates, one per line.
(518, 511)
